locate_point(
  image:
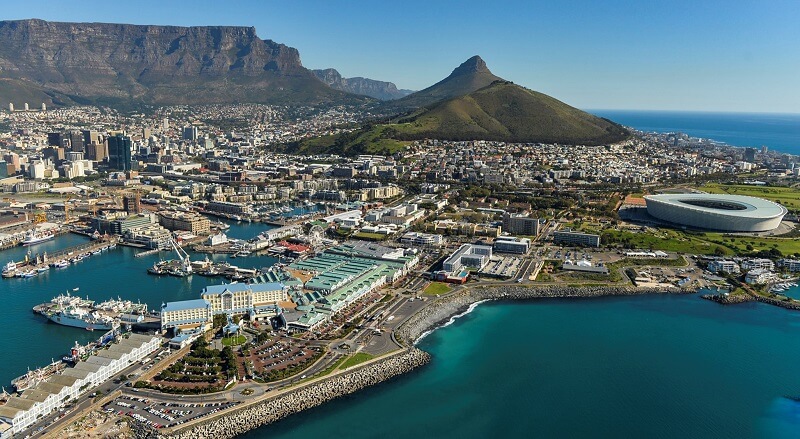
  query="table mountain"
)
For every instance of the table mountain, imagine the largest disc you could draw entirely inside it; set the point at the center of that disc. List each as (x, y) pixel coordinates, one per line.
(121, 64)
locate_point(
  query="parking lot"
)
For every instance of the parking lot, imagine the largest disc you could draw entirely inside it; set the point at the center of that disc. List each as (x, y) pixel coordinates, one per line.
(158, 414)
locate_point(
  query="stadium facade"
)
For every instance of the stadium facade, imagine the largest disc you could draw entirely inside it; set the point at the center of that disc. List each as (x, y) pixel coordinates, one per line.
(727, 213)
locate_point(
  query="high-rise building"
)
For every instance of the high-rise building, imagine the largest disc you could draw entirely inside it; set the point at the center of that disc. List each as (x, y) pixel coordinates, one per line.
(119, 152)
(55, 139)
(165, 124)
(190, 133)
(750, 155)
(76, 141)
(44, 106)
(132, 203)
(26, 106)
(90, 137)
(11, 107)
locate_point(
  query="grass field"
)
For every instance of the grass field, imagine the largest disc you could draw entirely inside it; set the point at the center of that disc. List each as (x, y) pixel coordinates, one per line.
(436, 288)
(234, 340)
(787, 196)
(358, 358)
(370, 236)
(664, 239)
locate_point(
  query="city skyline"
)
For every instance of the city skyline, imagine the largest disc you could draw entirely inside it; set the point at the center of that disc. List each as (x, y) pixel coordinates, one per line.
(679, 56)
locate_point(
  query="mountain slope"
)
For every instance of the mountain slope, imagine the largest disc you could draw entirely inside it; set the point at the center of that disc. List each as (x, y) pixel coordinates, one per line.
(471, 75)
(121, 63)
(504, 111)
(382, 90)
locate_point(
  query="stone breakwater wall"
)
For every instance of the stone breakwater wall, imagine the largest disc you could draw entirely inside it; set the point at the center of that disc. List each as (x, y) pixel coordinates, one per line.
(777, 302)
(230, 424)
(443, 309)
(728, 299)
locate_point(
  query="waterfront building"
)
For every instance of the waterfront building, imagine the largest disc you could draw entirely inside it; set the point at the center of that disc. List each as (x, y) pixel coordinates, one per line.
(511, 244)
(187, 315)
(724, 266)
(227, 207)
(468, 255)
(758, 276)
(189, 221)
(568, 237)
(790, 264)
(257, 300)
(758, 263)
(58, 390)
(150, 236)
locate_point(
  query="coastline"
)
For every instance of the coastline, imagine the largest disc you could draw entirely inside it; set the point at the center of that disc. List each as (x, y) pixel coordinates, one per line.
(443, 310)
(439, 313)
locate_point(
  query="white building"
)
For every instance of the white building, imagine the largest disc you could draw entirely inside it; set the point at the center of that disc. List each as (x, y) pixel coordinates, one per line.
(252, 299)
(723, 266)
(469, 255)
(511, 244)
(186, 315)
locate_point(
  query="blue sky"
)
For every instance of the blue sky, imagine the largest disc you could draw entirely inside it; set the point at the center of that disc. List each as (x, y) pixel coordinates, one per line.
(672, 55)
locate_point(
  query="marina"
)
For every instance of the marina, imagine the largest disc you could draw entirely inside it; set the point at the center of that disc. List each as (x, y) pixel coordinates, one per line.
(33, 266)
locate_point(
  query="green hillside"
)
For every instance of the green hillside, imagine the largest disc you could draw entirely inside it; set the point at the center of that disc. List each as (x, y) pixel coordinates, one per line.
(507, 112)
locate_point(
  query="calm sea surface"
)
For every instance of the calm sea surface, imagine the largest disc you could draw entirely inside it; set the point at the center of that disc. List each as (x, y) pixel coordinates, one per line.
(663, 367)
(780, 132)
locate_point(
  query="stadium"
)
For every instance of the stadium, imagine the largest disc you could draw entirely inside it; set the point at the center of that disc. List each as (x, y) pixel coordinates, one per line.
(727, 213)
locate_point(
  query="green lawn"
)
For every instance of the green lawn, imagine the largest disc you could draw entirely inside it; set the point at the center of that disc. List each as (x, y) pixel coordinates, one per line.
(358, 358)
(787, 246)
(436, 288)
(370, 236)
(234, 340)
(663, 239)
(789, 197)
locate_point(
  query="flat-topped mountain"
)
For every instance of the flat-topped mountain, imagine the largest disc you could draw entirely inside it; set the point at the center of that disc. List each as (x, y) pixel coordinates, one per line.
(65, 63)
(382, 90)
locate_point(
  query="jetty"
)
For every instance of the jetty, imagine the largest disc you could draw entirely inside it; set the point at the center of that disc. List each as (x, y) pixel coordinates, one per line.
(65, 256)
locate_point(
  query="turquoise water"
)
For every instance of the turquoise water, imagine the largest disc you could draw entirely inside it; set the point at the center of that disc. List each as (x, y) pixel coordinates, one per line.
(666, 367)
(30, 341)
(780, 132)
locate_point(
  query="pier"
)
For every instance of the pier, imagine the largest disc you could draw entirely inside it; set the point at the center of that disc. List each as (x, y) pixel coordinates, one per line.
(44, 261)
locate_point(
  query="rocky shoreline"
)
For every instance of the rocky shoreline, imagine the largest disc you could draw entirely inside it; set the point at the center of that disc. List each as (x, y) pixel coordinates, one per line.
(443, 309)
(243, 419)
(728, 299)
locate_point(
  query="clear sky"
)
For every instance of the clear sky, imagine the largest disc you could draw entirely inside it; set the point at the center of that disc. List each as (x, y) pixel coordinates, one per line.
(727, 55)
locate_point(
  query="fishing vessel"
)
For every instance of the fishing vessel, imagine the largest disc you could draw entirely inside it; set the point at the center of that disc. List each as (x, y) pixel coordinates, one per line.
(34, 237)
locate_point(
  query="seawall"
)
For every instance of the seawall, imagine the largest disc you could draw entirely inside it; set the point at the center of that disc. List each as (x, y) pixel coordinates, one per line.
(443, 309)
(230, 424)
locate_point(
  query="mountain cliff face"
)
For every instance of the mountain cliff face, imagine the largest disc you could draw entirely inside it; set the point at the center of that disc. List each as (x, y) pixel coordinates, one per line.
(382, 90)
(108, 63)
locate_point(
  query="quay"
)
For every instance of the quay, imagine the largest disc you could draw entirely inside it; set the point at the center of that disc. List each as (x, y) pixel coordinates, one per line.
(65, 255)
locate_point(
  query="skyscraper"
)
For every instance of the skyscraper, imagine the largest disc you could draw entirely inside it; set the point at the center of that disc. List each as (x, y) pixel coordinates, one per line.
(750, 155)
(190, 133)
(119, 152)
(77, 141)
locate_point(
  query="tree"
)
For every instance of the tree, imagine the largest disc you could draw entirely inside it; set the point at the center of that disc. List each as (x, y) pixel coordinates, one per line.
(219, 321)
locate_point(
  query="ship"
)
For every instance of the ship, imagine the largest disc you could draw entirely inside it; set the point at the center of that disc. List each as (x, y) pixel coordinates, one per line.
(82, 318)
(34, 377)
(10, 269)
(34, 237)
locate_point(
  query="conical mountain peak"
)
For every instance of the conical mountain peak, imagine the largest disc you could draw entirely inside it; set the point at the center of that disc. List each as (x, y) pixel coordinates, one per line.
(476, 64)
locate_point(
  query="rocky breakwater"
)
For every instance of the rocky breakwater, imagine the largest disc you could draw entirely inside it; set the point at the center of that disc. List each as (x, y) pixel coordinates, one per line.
(259, 413)
(445, 308)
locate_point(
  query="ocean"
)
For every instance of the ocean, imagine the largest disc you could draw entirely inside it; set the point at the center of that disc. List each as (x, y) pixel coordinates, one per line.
(780, 132)
(649, 366)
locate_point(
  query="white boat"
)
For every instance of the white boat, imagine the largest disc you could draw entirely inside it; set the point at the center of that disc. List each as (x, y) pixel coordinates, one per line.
(10, 269)
(34, 237)
(61, 264)
(42, 269)
(82, 318)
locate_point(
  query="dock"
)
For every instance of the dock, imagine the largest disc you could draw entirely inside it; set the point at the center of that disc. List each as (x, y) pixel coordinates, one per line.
(42, 262)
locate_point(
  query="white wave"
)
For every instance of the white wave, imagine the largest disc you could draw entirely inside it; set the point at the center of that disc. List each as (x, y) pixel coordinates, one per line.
(451, 321)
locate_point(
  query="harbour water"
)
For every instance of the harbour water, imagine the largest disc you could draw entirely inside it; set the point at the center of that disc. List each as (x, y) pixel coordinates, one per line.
(29, 341)
(649, 366)
(780, 132)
